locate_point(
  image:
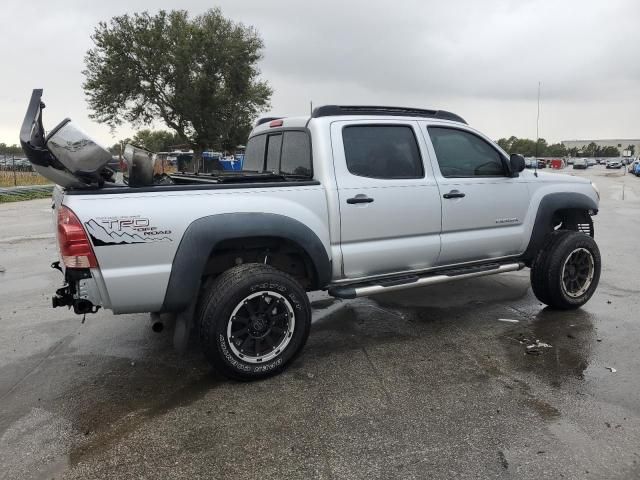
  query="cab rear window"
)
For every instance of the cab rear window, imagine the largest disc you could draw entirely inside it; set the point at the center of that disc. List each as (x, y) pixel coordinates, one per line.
(287, 152)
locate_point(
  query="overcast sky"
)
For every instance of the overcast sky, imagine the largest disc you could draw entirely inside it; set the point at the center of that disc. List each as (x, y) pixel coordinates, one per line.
(480, 59)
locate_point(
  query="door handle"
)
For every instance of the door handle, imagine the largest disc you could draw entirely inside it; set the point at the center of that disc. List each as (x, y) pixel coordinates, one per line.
(453, 194)
(360, 198)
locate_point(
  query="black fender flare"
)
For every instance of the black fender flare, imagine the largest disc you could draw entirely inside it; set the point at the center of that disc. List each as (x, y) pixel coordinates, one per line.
(549, 205)
(203, 234)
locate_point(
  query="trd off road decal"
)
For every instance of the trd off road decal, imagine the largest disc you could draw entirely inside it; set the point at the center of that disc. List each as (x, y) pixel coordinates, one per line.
(125, 230)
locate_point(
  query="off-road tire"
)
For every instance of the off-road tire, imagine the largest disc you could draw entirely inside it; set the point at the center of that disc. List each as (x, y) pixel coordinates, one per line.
(547, 269)
(227, 293)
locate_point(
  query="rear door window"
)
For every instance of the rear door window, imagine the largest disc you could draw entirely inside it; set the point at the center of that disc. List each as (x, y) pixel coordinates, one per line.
(382, 151)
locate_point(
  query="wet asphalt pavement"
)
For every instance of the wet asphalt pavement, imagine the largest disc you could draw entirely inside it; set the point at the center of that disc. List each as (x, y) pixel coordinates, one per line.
(427, 383)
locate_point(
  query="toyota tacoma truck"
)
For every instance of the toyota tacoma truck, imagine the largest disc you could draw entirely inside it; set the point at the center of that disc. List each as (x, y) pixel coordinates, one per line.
(354, 200)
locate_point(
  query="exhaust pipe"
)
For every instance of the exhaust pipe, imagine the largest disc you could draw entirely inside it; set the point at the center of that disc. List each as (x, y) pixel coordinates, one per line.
(157, 325)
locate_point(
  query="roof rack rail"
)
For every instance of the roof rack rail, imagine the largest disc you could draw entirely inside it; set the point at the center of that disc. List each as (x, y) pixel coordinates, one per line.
(266, 119)
(336, 110)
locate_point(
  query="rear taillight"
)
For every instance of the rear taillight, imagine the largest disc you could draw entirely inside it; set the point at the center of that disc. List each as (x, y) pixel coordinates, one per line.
(75, 246)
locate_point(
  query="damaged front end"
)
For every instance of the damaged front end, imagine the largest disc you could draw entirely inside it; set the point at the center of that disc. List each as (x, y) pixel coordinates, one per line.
(79, 291)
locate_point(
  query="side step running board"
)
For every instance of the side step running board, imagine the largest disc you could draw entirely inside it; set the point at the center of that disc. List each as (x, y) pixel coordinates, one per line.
(403, 283)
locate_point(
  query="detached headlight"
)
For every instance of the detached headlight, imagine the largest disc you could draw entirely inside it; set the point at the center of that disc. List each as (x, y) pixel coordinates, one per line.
(595, 187)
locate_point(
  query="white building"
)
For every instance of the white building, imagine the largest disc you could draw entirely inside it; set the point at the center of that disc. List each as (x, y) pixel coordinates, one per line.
(620, 143)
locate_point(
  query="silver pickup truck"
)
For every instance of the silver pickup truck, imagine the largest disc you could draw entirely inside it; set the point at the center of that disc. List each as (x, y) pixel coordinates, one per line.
(355, 200)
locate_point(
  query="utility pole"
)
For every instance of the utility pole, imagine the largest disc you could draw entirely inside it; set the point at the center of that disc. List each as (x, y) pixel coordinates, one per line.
(538, 121)
(535, 168)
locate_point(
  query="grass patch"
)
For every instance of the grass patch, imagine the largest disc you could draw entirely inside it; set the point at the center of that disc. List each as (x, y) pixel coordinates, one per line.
(24, 196)
(7, 179)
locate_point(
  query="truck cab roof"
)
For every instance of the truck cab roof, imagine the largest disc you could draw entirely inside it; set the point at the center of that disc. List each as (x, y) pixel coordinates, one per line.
(351, 111)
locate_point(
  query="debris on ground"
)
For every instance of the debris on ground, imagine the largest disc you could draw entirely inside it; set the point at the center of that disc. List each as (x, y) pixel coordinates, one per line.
(503, 459)
(508, 320)
(539, 344)
(537, 347)
(533, 346)
(611, 369)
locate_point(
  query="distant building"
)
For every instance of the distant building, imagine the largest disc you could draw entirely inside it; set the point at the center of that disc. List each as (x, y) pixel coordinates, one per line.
(620, 143)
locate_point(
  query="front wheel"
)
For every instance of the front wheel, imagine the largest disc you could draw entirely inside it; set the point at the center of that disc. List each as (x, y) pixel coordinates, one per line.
(254, 320)
(566, 272)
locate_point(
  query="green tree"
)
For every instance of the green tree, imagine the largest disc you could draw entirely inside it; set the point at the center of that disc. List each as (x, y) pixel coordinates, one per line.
(610, 152)
(524, 146)
(631, 148)
(118, 147)
(156, 140)
(556, 150)
(504, 144)
(10, 149)
(573, 152)
(590, 150)
(198, 75)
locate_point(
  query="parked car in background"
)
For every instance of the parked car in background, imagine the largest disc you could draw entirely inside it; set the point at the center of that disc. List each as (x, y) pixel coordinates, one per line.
(614, 164)
(591, 162)
(532, 162)
(580, 163)
(635, 168)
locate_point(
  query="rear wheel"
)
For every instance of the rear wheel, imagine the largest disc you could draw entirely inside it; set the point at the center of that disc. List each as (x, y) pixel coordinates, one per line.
(254, 320)
(566, 271)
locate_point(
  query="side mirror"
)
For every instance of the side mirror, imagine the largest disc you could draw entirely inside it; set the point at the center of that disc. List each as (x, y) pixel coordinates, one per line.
(517, 164)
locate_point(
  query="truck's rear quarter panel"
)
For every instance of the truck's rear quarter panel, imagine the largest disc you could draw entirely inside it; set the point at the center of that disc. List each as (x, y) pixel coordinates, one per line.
(136, 235)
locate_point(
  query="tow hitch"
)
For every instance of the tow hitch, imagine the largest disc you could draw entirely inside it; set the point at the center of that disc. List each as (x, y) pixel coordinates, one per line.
(66, 295)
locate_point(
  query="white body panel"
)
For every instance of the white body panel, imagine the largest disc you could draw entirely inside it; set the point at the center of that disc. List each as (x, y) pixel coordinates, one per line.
(136, 275)
(400, 229)
(488, 221)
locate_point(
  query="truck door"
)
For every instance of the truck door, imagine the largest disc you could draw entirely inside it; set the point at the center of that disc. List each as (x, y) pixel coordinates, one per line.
(483, 207)
(389, 201)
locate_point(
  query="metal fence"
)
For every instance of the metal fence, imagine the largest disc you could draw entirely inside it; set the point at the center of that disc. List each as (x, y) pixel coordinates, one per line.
(17, 171)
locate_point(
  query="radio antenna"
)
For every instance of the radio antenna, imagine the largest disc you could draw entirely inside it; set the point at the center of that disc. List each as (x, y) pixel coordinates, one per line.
(535, 171)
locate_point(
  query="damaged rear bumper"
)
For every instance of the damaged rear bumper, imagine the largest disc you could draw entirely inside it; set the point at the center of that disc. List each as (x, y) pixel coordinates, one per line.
(79, 291)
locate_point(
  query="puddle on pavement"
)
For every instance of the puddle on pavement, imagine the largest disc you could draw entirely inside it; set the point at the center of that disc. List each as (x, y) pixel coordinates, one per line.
(106, 398)
(571, 335)
(124, 396)
(103, 398)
